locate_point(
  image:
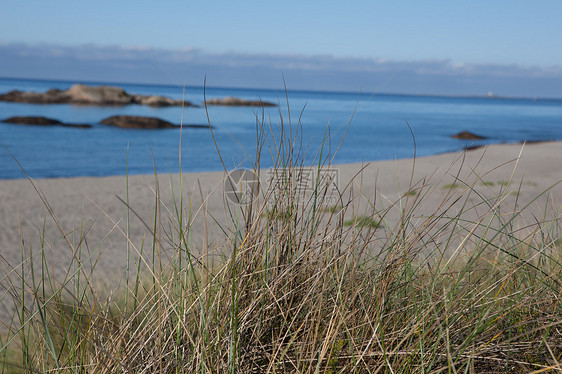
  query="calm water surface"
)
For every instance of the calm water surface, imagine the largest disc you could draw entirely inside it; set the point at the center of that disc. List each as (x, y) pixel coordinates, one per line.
(378, 130)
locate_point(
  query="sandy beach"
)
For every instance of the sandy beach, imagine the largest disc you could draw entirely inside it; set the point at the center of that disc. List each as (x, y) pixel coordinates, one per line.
(92, 213)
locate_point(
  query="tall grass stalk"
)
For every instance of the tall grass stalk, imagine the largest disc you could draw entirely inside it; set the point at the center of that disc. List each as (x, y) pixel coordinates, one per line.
(298, 286)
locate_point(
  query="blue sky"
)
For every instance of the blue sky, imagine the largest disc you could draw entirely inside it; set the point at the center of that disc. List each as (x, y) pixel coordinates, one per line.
(508, 47)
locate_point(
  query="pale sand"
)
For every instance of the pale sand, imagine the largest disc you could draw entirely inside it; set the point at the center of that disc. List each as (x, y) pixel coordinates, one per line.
(91, 204)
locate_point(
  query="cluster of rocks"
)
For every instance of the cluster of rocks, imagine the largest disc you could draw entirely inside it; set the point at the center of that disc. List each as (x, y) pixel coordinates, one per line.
(127, 122)
(90, 95)
(108, 95)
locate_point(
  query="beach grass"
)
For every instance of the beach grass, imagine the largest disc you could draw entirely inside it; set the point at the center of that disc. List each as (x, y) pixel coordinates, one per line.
(296, 285)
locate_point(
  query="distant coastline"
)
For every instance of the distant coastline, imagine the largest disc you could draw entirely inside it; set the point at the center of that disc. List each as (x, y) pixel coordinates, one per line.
(289, 90)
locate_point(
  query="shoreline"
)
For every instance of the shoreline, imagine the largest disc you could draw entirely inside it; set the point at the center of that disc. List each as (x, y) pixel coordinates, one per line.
(467, 149)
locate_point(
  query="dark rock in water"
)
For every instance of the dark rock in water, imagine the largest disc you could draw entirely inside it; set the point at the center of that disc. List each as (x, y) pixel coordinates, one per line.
(33, 120)
(234, 101)
(51, 97)
(41, 121)
(138, 122)
(466, 135)
(90, 95)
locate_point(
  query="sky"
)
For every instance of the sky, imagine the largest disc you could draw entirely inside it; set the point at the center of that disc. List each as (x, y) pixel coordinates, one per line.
(424, 47)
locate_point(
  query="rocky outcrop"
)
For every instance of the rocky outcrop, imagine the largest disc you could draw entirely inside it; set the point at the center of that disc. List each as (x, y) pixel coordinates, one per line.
(90, 95)
(50, 97)
(32, 120)
(234, 101)
(158, 101)
(466, 135)
(140, 122)
(137, 122)
(81, 94)
(99, 95)
(41, 121)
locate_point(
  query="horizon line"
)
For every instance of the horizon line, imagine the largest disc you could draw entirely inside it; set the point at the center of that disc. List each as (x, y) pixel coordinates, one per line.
(358, 92)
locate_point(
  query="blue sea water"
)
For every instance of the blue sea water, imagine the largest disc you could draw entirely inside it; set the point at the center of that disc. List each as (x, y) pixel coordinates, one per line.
(379, 129)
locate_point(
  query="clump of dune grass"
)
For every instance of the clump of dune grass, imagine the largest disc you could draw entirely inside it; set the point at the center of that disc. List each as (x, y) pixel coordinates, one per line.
(466, 290)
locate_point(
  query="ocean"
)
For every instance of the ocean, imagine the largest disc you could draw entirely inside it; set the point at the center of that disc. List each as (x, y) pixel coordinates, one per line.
(360, 126)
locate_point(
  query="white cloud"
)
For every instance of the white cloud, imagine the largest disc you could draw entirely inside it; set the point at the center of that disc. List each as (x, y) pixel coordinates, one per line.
(251, 69)
(279, 61)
